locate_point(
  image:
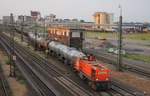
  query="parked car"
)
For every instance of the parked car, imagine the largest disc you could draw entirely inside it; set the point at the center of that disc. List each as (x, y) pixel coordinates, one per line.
(110, 50)
(122, 52)
(115, 51)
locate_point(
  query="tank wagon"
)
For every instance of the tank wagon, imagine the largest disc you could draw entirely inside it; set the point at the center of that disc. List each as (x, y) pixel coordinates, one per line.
(38, 40)
(96, 75)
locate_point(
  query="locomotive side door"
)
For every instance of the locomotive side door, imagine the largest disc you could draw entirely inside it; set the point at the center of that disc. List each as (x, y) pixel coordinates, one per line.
(93, 74)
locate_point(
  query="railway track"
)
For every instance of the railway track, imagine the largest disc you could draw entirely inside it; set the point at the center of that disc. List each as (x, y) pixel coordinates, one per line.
(4, 87)
(49, 72)
(67, 83)
(127, 64)
(38, 85)
(125, 90)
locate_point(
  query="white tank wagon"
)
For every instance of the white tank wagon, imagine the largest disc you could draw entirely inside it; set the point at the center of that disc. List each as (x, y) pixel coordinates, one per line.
(65, 53)
(39, 40)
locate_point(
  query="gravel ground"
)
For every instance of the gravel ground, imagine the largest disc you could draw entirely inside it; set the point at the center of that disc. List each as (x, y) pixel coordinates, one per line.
(17, 88)
(140, 83)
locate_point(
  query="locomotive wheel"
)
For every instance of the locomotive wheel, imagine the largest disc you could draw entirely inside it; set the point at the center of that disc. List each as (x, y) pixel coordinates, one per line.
(90, 83)
(107, 86)
(104, 86)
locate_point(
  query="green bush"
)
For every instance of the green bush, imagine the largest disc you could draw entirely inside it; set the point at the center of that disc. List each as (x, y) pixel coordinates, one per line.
(138, 57)
(8, 61)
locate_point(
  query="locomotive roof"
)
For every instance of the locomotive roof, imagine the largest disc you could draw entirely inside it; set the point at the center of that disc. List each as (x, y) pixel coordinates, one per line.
(95, 64)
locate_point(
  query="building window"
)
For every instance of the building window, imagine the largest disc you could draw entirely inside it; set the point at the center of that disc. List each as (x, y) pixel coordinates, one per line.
(67, 33)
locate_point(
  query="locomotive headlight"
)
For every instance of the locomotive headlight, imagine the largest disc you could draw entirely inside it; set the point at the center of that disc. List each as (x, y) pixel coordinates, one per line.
(97, 79)
(107, 79)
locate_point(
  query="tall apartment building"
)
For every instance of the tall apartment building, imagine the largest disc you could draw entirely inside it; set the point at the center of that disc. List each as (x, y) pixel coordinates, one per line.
(35, 15)
(103, 20)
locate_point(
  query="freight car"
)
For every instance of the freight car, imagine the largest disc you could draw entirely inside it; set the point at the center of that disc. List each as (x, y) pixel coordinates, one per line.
(95, 74)
(72, 37)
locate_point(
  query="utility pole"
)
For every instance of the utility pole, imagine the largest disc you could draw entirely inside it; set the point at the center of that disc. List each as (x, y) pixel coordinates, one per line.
(22, 26)
(119, 67)
(45, 36)
(35, 43)
(44, 26)
(12, 53)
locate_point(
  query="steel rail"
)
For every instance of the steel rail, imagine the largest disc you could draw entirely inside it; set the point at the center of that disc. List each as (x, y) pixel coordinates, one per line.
(49, 69)
(63, 81)
(125, 90)
(39, 89)
(4, 85)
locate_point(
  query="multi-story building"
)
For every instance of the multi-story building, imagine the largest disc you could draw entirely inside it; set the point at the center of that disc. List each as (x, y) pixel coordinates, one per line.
(103, 20)
(25, 19)
(1, 21)
(49, 19)
(35, 15)
(6, 19)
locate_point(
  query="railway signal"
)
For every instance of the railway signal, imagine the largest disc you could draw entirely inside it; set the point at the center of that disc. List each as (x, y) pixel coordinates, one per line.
(12, 53)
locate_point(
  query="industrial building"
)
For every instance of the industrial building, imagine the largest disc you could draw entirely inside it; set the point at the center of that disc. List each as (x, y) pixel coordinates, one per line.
(69, 36)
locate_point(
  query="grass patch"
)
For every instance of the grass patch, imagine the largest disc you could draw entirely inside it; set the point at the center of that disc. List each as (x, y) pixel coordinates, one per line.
(21, 79)
(100, 35)
(138, 36)
(138, 57)
(24, 82)
(134, 36)
(8, 62)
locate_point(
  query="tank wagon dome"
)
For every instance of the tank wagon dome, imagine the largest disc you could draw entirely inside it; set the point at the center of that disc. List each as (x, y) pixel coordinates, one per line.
(63, 48)
(77, 53)
(30, 34)
(39, 39)
(52, 43)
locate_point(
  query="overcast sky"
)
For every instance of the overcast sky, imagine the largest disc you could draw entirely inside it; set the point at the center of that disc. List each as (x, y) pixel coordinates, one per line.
(133, 10)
